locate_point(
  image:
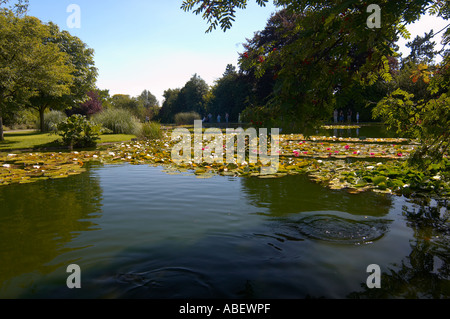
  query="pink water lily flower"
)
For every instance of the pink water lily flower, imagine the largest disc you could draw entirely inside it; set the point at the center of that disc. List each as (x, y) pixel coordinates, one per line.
(347, 147)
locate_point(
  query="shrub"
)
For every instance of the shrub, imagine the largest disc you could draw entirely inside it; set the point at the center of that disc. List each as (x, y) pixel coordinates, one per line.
(77, 131)
(119, 121)
(151, 131)
(51, 120)
(186, 118)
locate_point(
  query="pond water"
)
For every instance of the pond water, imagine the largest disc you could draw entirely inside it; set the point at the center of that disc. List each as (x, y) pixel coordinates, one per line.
(140, 232)
(374, 130)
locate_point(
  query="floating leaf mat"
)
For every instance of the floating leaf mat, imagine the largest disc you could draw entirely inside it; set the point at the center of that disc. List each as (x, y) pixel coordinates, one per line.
(376, 164)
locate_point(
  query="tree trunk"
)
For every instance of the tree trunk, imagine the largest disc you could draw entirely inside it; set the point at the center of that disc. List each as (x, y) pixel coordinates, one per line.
(41, 118)
(2, 138)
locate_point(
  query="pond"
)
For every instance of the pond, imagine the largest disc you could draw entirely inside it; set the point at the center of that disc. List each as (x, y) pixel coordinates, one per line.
(141, 232)
(357, 131)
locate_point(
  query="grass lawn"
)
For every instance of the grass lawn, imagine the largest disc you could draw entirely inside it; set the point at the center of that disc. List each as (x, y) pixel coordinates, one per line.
(36, 140)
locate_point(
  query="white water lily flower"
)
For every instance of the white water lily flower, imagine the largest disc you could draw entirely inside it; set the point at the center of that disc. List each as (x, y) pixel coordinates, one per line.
(437, 178)
(36, 167)
(6, 165)
(370, 167)
(112, 154)
(12, 155)
(95, 156)
(406, 186)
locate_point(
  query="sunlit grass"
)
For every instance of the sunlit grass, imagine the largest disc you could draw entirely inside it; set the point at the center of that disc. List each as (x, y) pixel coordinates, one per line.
(37, 140)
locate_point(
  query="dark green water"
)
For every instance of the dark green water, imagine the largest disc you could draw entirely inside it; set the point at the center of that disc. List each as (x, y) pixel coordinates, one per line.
(138, 232)
(367, 130)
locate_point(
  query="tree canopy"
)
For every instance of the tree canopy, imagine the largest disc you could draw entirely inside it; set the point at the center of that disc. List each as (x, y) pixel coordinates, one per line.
(28, 65)
(325, 53)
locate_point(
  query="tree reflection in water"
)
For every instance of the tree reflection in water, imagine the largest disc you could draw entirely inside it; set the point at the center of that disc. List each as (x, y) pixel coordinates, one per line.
(38, 221)
(425, 272)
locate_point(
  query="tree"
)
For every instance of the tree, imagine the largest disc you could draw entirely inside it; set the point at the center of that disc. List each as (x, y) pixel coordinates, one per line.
(148, 105)
(83, 74)
(28, 65)
(336, 49)
(90, 107)
(19, 8)
(330, 49)
(230, 94)
(191, 98)
(166, 114)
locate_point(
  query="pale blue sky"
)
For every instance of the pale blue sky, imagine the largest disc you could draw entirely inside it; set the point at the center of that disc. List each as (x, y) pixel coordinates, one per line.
(154, 45)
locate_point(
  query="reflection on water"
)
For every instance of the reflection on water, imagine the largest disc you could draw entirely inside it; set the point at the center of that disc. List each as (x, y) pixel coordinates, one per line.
(137, 232)
(296, 194)
(38, 220)
(365, 130)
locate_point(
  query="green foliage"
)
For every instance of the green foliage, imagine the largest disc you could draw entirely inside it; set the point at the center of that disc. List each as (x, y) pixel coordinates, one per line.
(119, 121)
(81, 78)
(425, 118)
(230, 94)
(320, 51)
(151, 130)
(28, 63)
(192, 97)
(52, 120)
(77, 131)
(186, 118)
(21, 119)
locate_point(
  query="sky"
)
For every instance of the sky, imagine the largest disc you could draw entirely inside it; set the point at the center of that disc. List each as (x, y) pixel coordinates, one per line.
(154, 45)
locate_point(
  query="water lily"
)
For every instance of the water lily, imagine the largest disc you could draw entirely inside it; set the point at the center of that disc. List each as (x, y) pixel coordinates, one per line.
(399, 154)
(6, 165)
(347, 147)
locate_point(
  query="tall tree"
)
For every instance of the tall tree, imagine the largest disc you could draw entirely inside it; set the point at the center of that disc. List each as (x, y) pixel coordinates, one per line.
(192, 96)
(343, 44)
(83, 76)
(166, 113)
(148, 105)
(28, 65)
(333, 48)
(230, 94)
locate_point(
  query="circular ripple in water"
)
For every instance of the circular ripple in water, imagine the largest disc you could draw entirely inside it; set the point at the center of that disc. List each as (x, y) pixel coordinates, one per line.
(339, 229)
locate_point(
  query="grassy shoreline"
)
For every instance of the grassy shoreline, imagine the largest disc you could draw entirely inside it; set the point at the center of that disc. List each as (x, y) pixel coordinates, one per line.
(34, 140)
